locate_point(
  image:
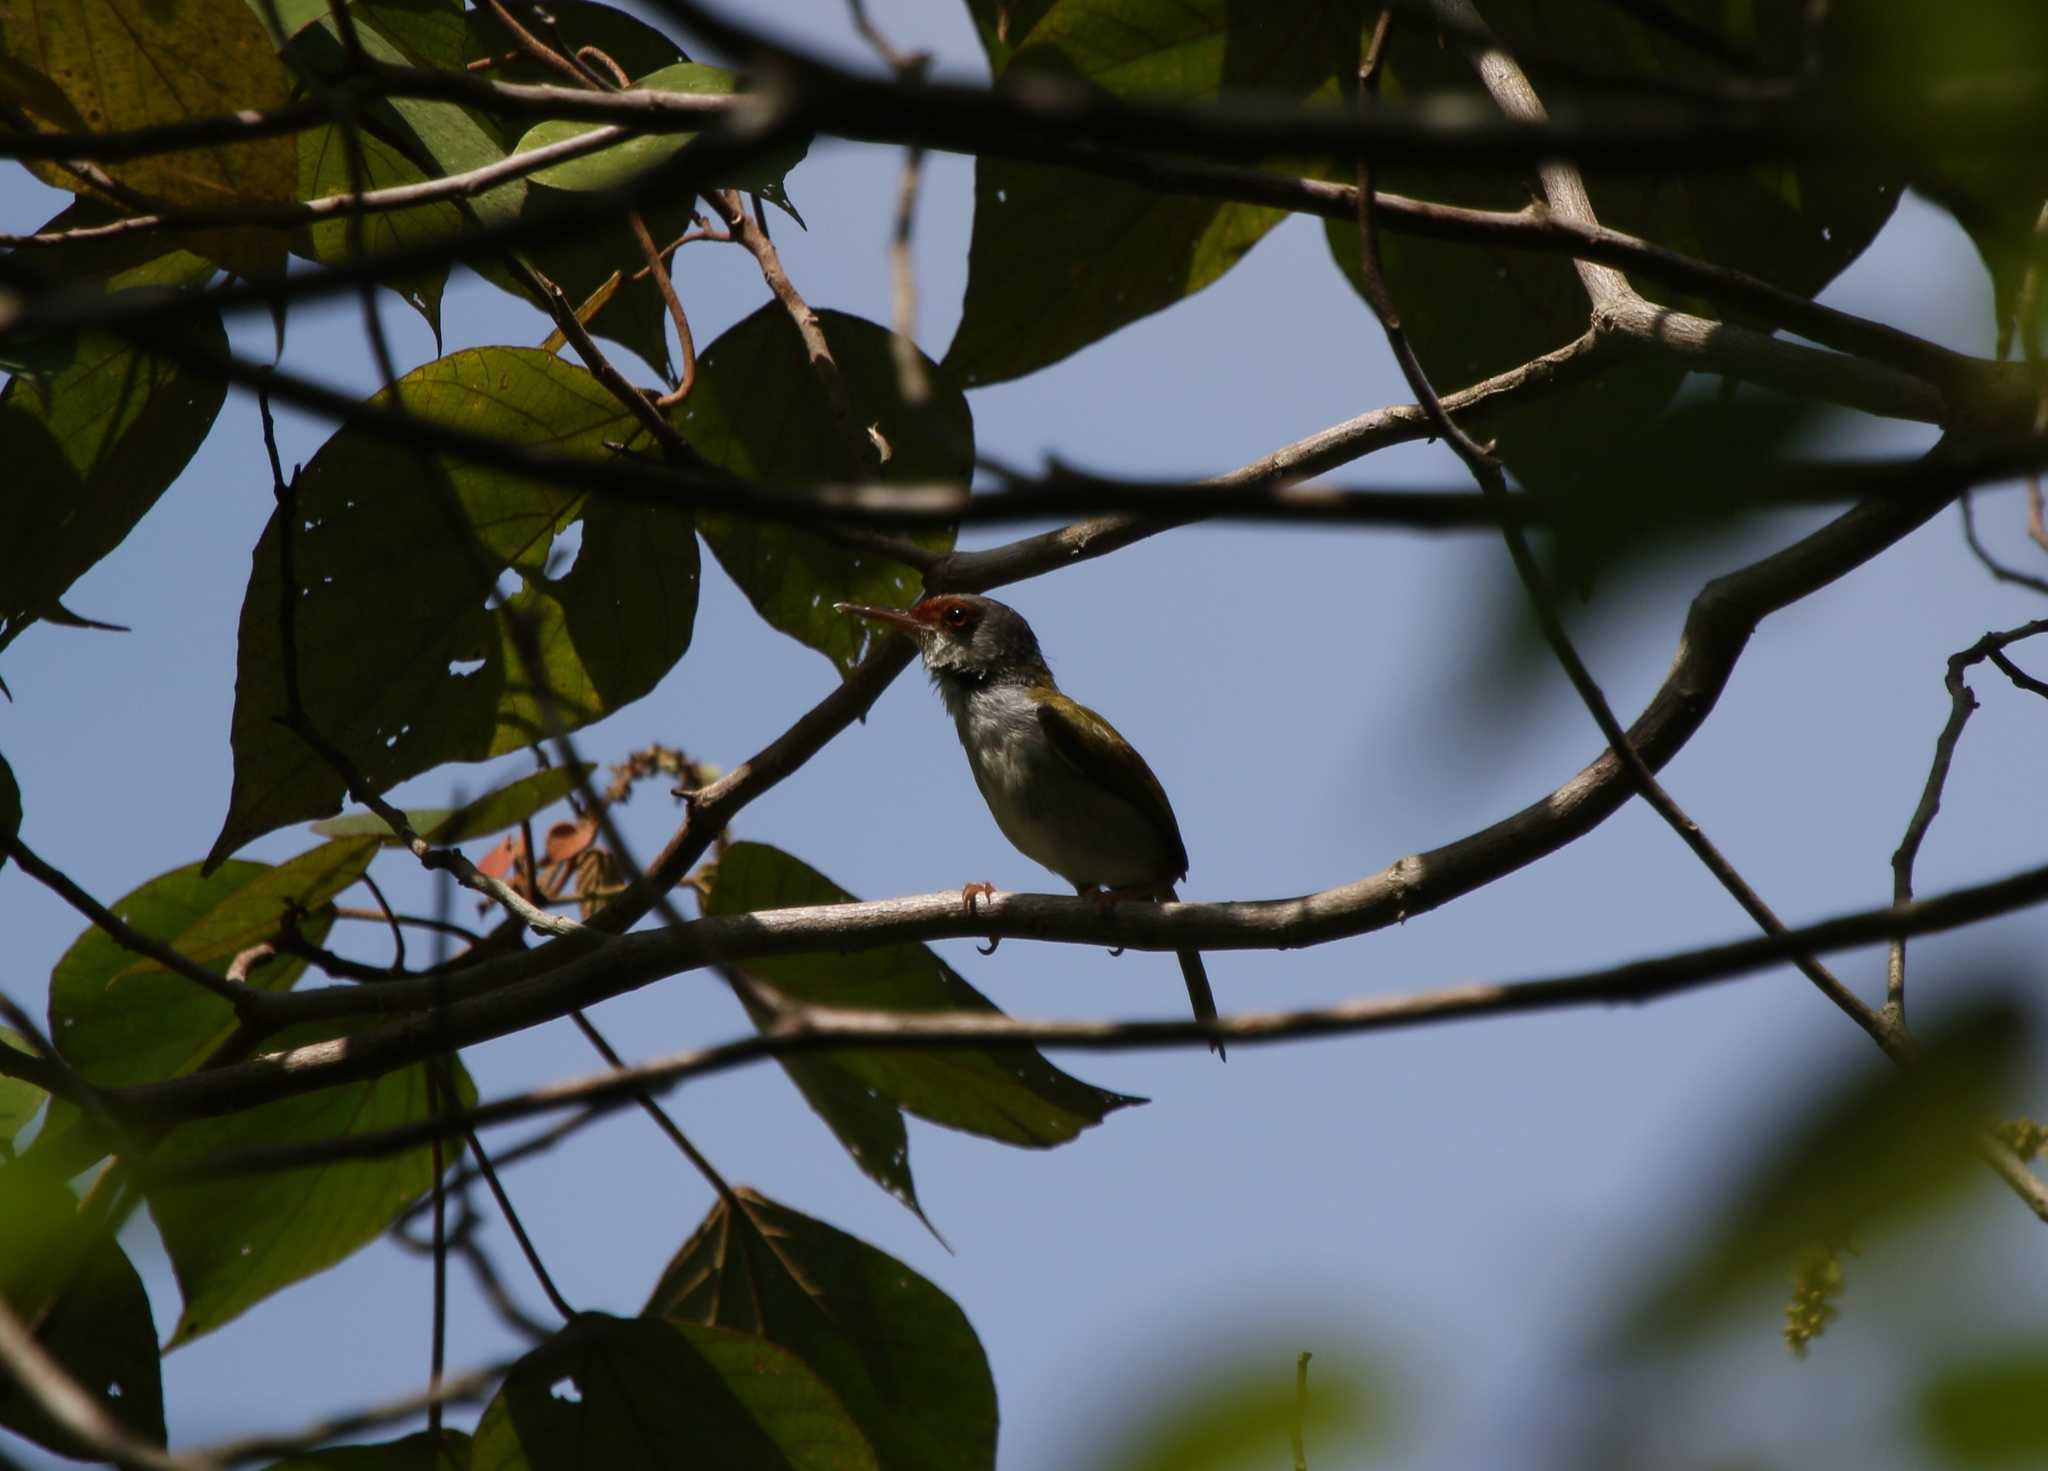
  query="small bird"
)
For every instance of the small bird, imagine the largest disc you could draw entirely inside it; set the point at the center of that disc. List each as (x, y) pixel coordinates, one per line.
(1064, 787)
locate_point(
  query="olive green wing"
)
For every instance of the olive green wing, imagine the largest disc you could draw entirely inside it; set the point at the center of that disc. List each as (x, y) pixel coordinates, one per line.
(1092, 746)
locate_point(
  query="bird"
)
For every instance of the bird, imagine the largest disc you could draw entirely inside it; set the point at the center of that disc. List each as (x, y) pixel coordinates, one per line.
(1066, 789)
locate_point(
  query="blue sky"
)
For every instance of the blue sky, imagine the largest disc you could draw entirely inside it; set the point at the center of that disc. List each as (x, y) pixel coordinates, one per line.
(1458, 1208)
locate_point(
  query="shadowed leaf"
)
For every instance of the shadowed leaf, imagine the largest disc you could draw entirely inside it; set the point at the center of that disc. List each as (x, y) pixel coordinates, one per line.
(1008, 1094)
(19, 1099)
(759, 411)
(1062, 259)
(122, 64)
(402, 663)
(1472, 311)
(235, 1241)
(91, 447)
(897, 1351)
(632, 1393)
(75, 1288)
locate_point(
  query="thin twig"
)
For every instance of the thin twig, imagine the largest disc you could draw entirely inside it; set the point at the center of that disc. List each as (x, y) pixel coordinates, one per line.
(243, 999)
(1962, 705)
(526, 1246)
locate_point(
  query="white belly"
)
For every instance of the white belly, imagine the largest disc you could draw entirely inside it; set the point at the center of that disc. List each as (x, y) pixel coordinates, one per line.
(1053, 815)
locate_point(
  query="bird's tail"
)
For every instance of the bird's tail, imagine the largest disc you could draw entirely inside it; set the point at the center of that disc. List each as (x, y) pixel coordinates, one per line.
(1197, 976)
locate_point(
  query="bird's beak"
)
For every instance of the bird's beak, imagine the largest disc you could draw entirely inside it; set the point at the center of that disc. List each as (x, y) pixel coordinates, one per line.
(896, 617)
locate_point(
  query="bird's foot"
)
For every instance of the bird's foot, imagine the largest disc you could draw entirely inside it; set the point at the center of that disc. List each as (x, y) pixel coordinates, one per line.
(968, 894)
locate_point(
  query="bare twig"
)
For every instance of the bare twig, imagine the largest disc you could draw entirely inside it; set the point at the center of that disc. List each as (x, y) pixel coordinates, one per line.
(1962, 704)
(51, 1388)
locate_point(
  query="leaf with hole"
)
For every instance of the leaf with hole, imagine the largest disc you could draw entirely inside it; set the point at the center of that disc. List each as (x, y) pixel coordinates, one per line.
(397, 556)
(71, 1283)
(634, 1393)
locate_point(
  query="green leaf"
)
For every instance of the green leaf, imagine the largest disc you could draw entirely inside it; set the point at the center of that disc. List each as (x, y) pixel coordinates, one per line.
(759, 411)
(1876, 1150)
(324, 171)
(613, 167)
(1987, 1411)
(1473, 311)
(235, 1241)
(402, 663)
(1246, 1416)
(1004, 25)
(582, 261)
(1061, 259)
(625, 1393)
(1921, 82)
(897, 1351)
(121, 1018)
(122, 64)
(1009, 1094)
(19, 1099)
(420, 1452)
(490, 813)
(71, 1283)
(90, 449)
(635, 45)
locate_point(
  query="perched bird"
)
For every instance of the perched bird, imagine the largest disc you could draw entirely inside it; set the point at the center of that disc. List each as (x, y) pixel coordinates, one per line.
(1063, 786)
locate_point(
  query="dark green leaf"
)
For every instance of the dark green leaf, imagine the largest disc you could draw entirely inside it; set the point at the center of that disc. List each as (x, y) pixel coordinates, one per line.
(90, 449)
(122, 64)
(584, 260)
(636, 46)
(71, 1283)
(1062, 259)
(1923, 81)
(10, 809)
(758, 410)
(1009, 1094)
(1876, 1150)
(421, 1452)
(490, 813)
(235, 1241)
(618, 165)
(401, 662)
(1987, 1411)
(120, 1018)
(19, 1100)
(1473, 311)
(627, 1393)
(898, 1352)
(324, 171)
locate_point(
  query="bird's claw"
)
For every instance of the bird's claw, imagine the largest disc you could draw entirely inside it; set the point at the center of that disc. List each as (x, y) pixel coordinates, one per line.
(970, 892)
(990, 947)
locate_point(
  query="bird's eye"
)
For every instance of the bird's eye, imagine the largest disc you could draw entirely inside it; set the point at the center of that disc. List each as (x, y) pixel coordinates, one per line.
(957, 616)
